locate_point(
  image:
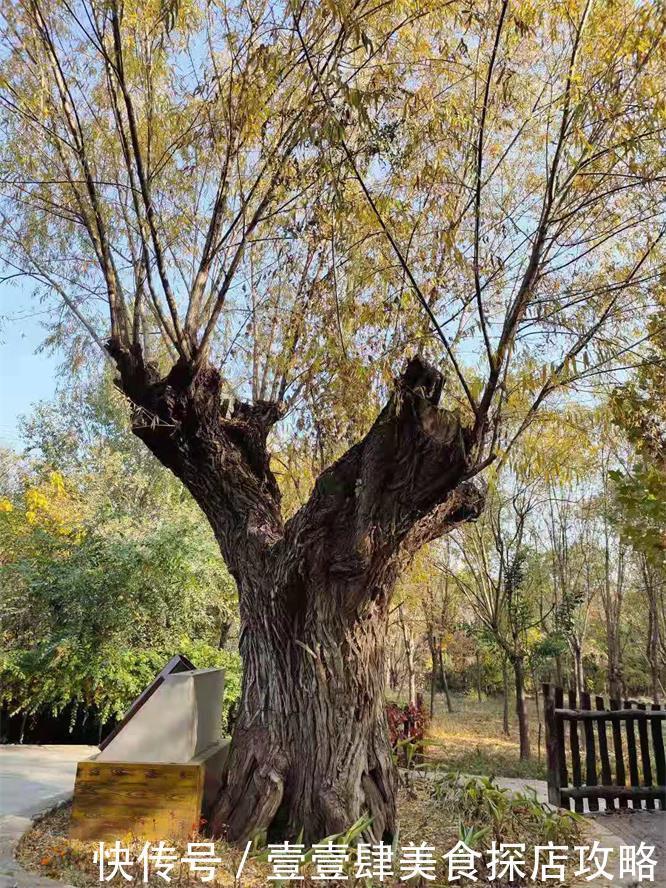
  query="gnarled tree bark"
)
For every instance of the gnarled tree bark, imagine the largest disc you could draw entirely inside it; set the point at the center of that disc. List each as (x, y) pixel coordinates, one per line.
(310, 747)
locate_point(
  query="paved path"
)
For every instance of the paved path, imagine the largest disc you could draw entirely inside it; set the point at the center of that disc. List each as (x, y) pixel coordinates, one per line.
(612, 830)
(631, 828)
(32, 779)
(31, 776)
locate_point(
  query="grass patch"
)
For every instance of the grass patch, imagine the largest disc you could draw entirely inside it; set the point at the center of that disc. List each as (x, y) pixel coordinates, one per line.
(470, 739)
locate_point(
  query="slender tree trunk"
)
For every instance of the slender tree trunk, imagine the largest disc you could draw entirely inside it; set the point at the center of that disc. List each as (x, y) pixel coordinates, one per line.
(388, 660)
(558, 671)
(224, 633)
(445, 680)
(613, 597)
(537, 704)
(615, 679)
(432, 693)
(478, 677)
(653, 658)
(521, 708)
(309, 750)
(506, 729)
(433, 672)
(653, 591)
(408, 642)
(579, 673)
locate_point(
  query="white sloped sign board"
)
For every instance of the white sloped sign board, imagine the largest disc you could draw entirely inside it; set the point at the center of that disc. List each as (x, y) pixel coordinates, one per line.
(176, 724)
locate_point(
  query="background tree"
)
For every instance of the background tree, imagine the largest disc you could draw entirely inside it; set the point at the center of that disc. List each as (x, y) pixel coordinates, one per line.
(494, 554)
(640, 488)
(108, 568)
(575, 569)
(254, 208)
(439, 606)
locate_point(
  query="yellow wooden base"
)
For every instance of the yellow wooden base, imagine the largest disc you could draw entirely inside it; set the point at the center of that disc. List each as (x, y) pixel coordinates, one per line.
(114, 800)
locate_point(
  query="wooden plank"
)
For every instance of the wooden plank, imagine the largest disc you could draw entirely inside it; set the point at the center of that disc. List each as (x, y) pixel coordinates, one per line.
(659, 758)
(577, 776)
(615, 715)
(606, 777)
(114, 800)
(604, 792)
(552, 752)
(632, 756)
(160, 776)
(620, 773)
(645, 755)
(590, 752)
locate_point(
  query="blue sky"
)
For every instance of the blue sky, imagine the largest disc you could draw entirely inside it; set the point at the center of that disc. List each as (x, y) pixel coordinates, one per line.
(25, 376)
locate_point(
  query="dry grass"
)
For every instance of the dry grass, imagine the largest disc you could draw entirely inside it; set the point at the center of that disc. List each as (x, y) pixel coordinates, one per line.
(470, 739)
(46, 849)
(426, 815)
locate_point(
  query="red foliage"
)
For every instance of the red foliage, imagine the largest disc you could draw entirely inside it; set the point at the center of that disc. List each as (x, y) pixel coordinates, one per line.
(406, 722)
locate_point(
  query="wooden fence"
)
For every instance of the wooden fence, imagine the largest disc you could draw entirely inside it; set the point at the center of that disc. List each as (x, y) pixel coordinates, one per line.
(621, 762)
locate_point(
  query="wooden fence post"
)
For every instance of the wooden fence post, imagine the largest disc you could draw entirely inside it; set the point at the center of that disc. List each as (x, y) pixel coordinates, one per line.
(633, 757)
(552, 751)
(659, 757)
(645, 755)
(620, 773)
(561, 740)
(595, 782)
(606, 776)
(576, 772)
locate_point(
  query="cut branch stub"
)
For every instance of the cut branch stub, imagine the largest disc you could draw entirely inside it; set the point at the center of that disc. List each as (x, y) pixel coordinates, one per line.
(222, 460)
(399, 487)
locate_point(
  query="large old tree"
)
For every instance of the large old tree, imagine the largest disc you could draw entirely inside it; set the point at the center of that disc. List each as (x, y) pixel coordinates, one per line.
(264, 212)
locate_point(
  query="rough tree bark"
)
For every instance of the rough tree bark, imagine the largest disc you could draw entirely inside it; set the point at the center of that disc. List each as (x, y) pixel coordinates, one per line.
(310, 746)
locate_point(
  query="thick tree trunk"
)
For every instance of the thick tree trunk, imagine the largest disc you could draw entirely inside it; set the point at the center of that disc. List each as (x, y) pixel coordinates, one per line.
(521, 709)
(309, 749)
